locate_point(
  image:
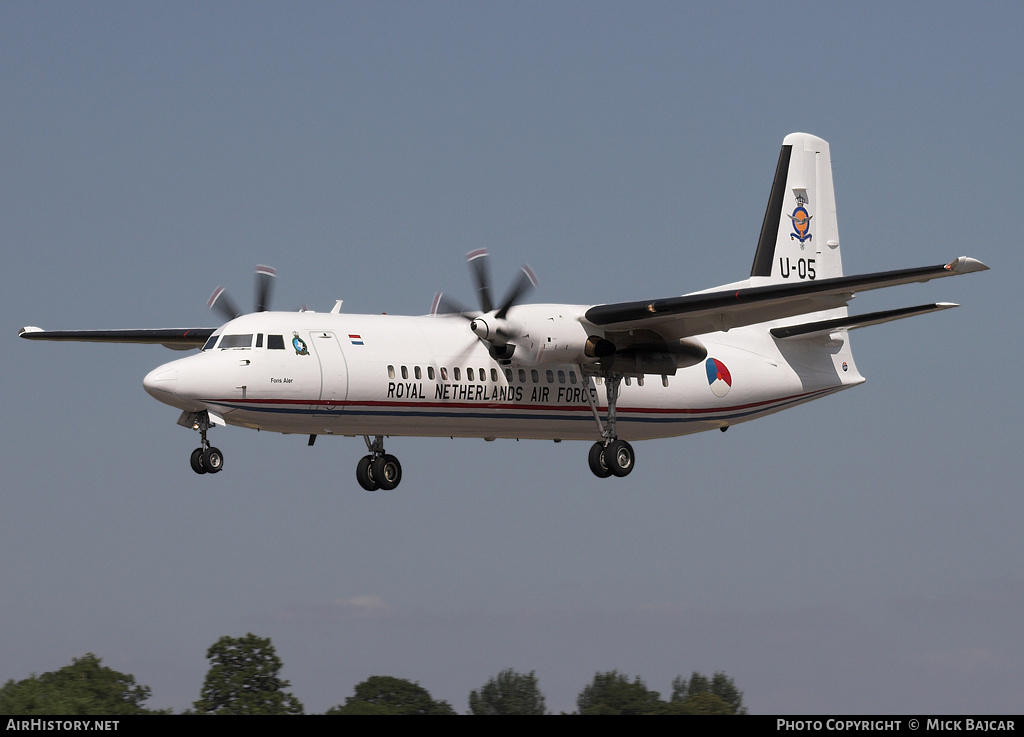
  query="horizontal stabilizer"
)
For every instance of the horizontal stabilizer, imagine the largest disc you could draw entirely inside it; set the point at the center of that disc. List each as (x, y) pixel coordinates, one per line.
(825, 327)
(177, 338)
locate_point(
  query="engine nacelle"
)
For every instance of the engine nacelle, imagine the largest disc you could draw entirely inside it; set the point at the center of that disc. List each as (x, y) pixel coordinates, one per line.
(549, 335)
(557, 338)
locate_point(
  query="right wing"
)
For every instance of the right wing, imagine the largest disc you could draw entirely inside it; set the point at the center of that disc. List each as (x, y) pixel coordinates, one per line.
(705, 312)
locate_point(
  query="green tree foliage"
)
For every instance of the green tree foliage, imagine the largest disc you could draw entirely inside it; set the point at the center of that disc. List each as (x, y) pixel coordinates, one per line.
(613, 693)
(243, 679)
(387, 695)
(83, 688)
(510, 693)
(702, 695)
(703, 703)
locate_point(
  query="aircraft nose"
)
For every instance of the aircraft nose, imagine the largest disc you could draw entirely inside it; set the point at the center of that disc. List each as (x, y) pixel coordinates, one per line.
(161, 383)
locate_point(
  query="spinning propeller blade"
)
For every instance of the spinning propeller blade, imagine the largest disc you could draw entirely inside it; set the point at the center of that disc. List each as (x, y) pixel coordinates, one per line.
(445, 305)
(478, 265)
(265, 276)
(527, 281)
(220, 301)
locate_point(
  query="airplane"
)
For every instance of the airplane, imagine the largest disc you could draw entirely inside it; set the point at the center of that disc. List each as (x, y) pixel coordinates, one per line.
(607, 373)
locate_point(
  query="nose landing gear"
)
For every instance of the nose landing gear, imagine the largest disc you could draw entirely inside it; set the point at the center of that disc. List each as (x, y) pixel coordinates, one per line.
(205, 458)
(378, 470)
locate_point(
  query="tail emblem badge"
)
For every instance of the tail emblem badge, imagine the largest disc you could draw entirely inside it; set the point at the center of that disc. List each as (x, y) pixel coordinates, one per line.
(801, 224)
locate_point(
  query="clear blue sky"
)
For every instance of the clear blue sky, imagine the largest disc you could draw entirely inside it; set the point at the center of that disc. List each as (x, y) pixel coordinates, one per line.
(859, 554)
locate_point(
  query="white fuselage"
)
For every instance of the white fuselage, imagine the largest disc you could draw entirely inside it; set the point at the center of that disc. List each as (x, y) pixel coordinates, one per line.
(430, 376)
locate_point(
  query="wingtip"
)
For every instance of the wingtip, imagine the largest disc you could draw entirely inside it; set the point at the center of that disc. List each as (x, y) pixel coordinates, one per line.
(965, 265)
(27, 330)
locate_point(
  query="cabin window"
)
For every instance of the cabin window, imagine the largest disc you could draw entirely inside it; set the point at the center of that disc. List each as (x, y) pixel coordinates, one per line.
(639, 381)
(508, 375)
(522, 376)
(494, 375)
(405, 372)
(417, 373)
(391, 372)
(550, 376)
(444, 374)
(236, 341)
(275, 342)
(430, 372)
(628, 382)
(572, 377)
(469, 374)
(664, 379)
(535, 376)
(455, 373)
(561, 376)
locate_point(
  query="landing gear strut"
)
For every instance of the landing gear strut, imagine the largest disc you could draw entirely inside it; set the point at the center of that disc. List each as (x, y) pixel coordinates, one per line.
(205, 458)
(609, 456)
(378, 470)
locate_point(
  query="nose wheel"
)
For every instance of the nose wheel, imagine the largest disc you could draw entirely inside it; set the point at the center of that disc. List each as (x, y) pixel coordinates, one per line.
(205, 458)
(378, 470)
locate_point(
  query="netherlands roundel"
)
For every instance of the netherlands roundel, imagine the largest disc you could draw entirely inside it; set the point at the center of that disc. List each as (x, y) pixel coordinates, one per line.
(719, 378)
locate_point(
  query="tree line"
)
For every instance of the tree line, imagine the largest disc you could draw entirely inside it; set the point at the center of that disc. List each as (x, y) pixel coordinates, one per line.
(244, 678)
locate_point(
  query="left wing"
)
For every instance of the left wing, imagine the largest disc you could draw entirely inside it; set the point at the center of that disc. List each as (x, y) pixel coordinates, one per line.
(177, 338)
(696, 314)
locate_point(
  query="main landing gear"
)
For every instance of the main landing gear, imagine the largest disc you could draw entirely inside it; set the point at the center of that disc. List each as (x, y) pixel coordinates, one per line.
(205, 458)
(378, 470)
(609, 456)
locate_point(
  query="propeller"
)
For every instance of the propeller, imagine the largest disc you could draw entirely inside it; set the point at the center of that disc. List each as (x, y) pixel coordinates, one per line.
(489, 324)
(222, 303)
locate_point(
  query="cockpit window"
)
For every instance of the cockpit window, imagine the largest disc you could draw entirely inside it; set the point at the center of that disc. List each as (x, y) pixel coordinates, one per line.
(275, 342)
(236, 341)
(211, 342)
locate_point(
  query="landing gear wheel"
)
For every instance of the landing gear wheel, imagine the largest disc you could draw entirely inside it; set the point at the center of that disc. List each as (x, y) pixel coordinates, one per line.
(597, 463)
(364, 474)
(197, 461)
(619, 457)
(213, 460)
(387, 471)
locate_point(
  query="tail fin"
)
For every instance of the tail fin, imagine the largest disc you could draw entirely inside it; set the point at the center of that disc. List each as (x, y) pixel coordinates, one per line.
(799, 237)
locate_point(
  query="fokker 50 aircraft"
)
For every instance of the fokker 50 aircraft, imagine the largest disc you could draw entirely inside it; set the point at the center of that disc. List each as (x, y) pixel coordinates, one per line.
(608, 373)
